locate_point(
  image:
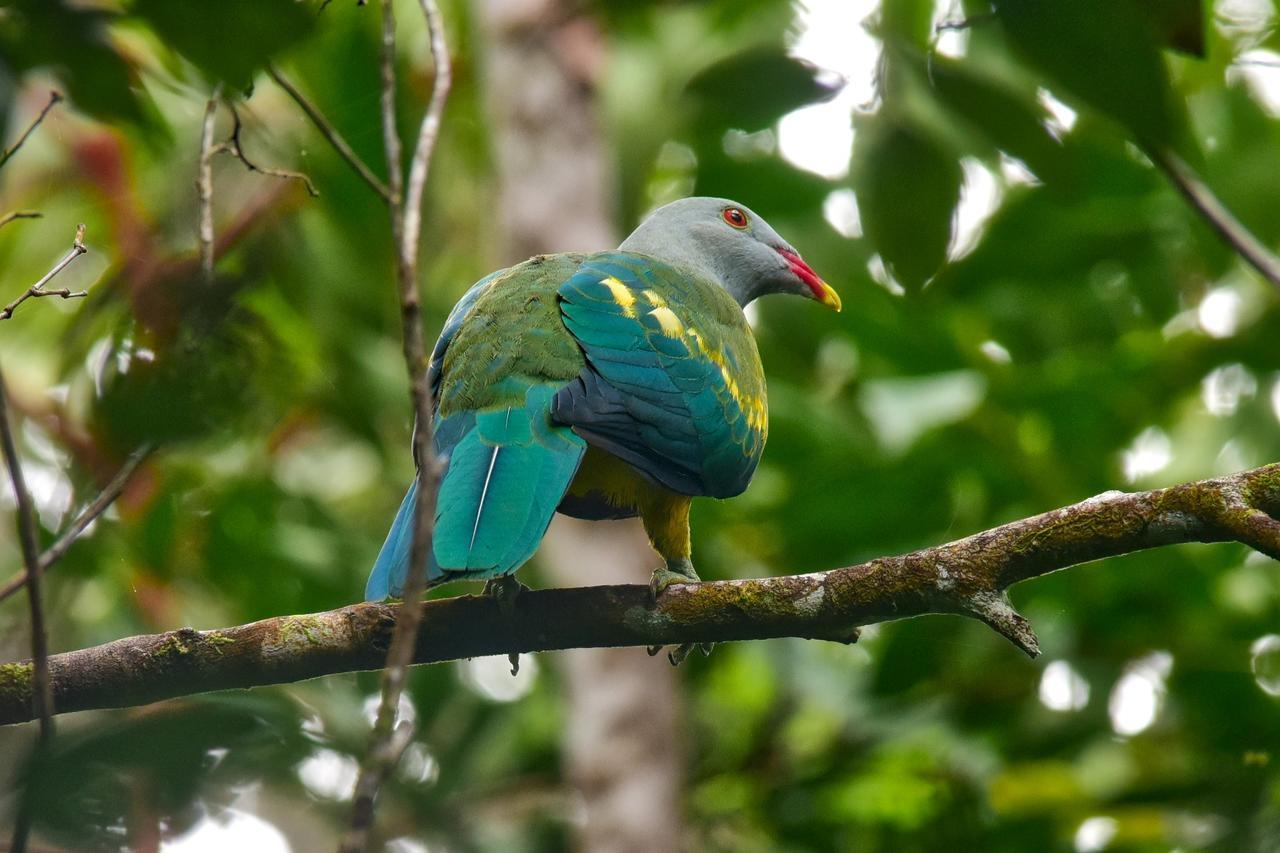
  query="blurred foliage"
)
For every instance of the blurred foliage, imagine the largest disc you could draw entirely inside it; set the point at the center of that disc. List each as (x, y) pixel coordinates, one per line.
(1033, 316)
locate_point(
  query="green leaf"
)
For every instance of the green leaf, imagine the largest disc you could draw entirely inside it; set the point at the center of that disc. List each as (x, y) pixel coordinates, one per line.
(907, 187)
(1008, 119)
(74, 43)
(75, 789)
(751, 90)
(229, 40)
(1105, 53)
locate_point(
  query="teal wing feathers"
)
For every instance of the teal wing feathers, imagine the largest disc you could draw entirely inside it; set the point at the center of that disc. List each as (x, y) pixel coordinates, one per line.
(501, 357)
(504, 479)
(673, 383)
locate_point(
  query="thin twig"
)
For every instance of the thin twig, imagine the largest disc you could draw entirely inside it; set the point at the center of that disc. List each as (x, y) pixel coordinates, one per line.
(1202, 198)
(1261, 63)
(28, 536)
(427, 134)
(54, 97)
(233, 147)
(37, 290)
(204, 184)
(963, 23)
(41, 695)
(95, 508)
(388, 741)
(19, 214)
(329, 132)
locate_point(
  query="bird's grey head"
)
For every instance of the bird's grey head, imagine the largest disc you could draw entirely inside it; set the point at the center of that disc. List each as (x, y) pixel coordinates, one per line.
(729, 244)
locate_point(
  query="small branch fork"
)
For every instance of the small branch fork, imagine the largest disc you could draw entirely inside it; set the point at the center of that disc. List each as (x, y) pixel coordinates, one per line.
(37, 290)
(330, 133)
(232, 146)
(405, 207)
(969, 577)
(19, 214)
(41, 699)
(204, 178)
(54, 99)
(87, 516)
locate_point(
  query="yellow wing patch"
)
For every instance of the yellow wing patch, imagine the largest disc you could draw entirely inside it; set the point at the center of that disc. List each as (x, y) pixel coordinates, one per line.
(753, 406)
(621, 294)
(655, 298)
(670, 323)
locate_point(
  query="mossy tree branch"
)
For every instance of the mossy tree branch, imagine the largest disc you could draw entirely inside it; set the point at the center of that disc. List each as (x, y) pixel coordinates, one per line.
(970, 577)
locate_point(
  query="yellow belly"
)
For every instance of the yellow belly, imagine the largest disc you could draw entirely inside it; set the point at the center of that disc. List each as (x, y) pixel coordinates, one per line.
(665, 513)
(607, 476)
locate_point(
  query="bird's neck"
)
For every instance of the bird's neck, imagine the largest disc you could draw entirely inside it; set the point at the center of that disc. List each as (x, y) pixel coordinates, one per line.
(688, 261)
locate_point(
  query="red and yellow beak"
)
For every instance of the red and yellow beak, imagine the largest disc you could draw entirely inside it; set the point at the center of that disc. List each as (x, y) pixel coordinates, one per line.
(819, 289)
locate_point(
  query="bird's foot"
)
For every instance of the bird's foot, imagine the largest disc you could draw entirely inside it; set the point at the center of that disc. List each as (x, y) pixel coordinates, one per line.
(675, 571)
(505, 590)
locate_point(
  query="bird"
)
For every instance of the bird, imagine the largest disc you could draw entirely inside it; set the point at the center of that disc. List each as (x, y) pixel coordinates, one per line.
(600, 385)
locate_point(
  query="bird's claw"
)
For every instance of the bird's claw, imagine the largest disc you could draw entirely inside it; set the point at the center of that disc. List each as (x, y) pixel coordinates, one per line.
(505, 590)
(675, 571)
(678, 655)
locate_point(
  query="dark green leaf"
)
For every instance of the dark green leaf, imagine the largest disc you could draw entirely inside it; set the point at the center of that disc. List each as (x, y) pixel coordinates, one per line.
(1103, 52)
(1007, 119)
(228, 40)
(907, 187)
(74, 43)
(906, 21)
(751, 90)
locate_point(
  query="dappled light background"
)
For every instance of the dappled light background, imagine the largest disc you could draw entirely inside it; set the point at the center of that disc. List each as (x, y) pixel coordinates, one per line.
(1032, 316)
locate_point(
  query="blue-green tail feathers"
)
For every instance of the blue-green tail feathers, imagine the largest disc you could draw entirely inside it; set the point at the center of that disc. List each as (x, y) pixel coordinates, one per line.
(506, 471)
(392, 566)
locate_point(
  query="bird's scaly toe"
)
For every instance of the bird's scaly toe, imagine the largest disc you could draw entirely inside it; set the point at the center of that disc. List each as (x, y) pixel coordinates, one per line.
(675, 571)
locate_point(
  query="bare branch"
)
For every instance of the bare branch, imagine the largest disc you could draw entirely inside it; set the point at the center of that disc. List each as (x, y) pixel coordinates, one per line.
(1216, 214)
(969, 577)
(406, 225)
(37, 290)
(54, 98)
(19, 214)
(427, 134)
(381, 757)
(40, 699)
(961, 24)
(95, 508)
(232, 146)
(329, 132)
(204, 184)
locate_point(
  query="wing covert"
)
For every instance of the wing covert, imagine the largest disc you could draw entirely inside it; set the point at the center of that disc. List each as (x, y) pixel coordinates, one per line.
(673, 383)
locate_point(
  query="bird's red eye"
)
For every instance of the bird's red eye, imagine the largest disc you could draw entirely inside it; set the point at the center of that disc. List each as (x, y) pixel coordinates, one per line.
(735, 217)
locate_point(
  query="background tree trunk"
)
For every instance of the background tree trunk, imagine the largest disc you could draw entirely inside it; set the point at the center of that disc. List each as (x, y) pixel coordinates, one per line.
(622, 746)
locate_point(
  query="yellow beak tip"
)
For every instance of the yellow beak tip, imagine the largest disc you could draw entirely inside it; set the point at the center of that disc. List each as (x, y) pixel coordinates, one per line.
(830, 298)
